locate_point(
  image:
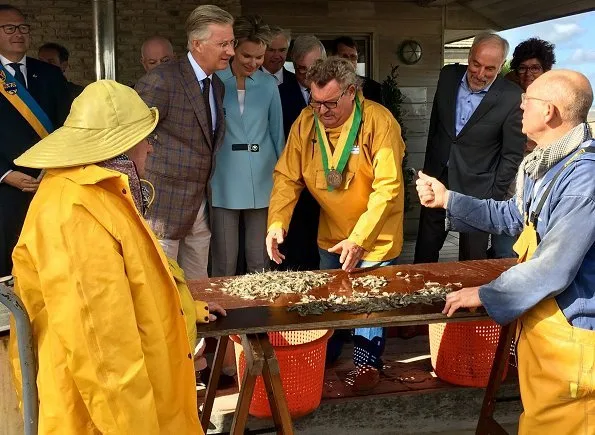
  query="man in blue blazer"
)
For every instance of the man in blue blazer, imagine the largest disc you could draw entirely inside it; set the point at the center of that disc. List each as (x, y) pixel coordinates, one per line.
(46, 85)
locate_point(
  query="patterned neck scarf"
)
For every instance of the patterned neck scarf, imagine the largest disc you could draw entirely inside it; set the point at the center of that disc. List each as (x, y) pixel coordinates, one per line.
(140, 193)
(537, 163)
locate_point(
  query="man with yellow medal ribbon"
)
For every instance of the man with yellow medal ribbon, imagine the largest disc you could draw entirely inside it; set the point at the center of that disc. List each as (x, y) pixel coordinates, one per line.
(347, 151)
(552, 289)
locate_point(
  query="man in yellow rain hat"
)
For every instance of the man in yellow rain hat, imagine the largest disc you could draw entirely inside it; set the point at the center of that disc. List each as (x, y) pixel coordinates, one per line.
(109, 329)
(552, 290)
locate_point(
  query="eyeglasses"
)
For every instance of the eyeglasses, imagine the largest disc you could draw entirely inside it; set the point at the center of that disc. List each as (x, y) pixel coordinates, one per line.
(534, 69)
(524, 98)
(300, 69)
(233, 43)
(9, 29)
(328, 104)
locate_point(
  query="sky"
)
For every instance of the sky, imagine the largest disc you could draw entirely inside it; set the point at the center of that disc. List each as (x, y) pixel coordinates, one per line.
(573, 36)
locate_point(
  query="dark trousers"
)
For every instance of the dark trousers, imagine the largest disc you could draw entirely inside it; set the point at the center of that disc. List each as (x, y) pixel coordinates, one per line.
(13, 209)
(300, 246)
(431, 236)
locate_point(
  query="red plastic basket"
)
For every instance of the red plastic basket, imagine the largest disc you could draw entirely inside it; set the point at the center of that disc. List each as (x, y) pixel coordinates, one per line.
(301, 356)
(463, 353)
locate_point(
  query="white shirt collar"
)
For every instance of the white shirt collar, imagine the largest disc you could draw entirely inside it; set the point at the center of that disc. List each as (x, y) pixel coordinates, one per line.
(5, 61)
(198, 71)
(278, 75)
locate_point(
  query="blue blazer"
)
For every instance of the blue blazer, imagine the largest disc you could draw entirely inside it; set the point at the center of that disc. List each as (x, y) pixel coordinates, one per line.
(254, 140)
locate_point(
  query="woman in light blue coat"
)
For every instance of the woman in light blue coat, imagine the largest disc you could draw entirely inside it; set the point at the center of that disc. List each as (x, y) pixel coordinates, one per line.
(243, 177)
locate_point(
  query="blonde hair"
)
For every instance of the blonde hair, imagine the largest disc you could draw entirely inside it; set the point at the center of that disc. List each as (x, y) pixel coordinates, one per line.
(251, 28)
(336, 68)
(197, 24)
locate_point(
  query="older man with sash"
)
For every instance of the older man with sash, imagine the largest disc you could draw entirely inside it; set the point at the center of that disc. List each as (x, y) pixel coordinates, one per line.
(34, 99)
(347, 151)
(552, 290)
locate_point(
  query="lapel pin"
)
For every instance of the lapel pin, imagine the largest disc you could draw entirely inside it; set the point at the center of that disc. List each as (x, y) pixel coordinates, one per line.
(34, 76)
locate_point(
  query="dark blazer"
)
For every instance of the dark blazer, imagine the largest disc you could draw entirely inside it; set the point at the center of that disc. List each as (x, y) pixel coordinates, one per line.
(184, 152)
(372, 90)
(300, 246)
(48, 87)
(292, 100)
(484, 157)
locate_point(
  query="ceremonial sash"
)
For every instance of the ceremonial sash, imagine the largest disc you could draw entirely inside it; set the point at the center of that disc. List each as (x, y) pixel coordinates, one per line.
(334, 162)
(17, 95)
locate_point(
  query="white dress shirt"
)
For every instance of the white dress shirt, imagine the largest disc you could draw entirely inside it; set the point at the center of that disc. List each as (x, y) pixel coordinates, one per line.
(278, 75)
(305, 94)
(200, 76)
(10, 69)
(241, 99)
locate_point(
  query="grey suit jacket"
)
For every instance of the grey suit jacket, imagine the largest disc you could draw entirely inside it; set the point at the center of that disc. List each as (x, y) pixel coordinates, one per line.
(484, 157)
(183, 158)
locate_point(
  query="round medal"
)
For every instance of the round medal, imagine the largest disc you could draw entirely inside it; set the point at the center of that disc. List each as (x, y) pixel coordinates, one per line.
(334, 178)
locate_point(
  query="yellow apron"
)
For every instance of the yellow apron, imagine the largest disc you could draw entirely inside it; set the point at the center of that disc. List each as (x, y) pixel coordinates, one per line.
(556, 364)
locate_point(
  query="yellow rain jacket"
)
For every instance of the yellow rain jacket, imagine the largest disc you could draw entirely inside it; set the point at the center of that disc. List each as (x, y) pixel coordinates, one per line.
(108, 325)
(368, 207)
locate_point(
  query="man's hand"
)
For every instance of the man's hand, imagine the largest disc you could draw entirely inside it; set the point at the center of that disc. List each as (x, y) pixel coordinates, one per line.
(21, 181)
(215, 310)
(351, 254)
(432, 192)
(274, 239)
(465, 298)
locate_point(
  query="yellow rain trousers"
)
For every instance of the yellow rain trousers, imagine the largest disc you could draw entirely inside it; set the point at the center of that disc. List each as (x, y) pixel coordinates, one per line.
(556, 366)
(109, 331)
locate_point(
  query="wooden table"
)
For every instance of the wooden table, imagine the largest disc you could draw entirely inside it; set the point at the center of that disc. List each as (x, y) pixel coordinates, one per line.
(252, 319)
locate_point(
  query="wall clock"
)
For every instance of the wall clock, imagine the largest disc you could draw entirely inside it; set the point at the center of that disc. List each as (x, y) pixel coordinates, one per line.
(410, 52)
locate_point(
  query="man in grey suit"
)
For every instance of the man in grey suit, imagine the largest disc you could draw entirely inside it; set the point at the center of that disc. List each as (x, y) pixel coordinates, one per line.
(475, 143)
(190, 130)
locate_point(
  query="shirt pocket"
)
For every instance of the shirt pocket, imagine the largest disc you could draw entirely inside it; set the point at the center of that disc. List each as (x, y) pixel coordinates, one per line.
(321, 180)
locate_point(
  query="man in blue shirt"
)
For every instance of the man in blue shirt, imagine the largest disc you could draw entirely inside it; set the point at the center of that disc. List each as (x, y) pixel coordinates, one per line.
(552, 290)
(475, 142)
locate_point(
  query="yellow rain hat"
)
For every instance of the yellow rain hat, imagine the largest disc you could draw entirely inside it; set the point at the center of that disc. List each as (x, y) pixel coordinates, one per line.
(105, 120)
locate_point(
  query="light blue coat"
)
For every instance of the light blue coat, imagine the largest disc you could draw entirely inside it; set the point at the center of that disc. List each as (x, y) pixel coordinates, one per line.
(244, 179)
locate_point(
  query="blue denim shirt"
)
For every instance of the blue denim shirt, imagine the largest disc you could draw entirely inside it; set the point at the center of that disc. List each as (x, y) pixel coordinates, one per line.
(563, 266)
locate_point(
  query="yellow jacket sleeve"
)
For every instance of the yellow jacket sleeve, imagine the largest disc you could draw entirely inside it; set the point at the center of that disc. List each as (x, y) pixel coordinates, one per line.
(388, 150)
(287, 182)
(90, 310)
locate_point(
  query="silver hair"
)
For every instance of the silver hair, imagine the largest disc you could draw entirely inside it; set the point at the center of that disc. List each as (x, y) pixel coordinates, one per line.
(334, 68)
(305, 44)
(487, 36)
(197, 24)
(276, 31)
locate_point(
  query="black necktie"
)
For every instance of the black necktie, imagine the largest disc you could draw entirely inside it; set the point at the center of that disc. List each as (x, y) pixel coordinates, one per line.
(18, 74)
(206, 90)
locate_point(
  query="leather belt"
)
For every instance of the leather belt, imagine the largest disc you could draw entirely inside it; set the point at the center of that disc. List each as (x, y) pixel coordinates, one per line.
(253, 147)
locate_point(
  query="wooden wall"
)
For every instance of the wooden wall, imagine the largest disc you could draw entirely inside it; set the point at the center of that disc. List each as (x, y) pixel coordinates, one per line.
(11, 421)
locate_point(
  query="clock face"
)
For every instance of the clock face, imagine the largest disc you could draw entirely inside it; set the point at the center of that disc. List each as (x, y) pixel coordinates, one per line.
(410, 52)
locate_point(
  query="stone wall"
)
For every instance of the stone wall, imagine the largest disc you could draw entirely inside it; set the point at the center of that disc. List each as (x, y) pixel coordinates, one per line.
(70, 23)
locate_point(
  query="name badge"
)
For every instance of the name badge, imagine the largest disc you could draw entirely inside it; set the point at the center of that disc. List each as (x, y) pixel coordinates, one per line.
(355, 149)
